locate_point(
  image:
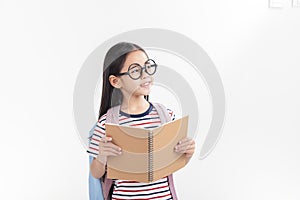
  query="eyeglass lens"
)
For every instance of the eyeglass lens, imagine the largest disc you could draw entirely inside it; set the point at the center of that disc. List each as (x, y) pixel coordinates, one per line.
(135, 70)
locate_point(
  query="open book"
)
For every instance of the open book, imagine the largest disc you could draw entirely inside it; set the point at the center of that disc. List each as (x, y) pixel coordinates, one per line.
(147, 154)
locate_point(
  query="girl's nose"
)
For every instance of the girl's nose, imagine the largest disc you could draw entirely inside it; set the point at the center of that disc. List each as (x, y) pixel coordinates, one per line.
(144, 74)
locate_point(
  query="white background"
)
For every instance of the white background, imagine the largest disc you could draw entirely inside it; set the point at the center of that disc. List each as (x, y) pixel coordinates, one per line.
(255, 49)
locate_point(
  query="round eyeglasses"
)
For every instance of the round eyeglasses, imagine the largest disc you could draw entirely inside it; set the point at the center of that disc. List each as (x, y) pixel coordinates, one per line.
(135, 70)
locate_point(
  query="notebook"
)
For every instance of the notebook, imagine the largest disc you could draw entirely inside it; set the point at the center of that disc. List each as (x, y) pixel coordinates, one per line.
(147, 154)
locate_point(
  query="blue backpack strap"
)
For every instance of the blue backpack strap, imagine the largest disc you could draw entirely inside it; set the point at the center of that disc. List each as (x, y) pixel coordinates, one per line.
(95, 189)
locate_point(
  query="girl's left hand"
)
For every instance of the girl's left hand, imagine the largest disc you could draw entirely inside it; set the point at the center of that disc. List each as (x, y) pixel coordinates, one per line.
(186, 146)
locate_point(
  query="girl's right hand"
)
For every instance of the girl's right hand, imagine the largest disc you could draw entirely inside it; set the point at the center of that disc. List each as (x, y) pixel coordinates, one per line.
(107, 148)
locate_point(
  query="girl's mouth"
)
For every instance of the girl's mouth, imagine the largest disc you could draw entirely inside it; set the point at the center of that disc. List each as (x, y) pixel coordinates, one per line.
(146, 84)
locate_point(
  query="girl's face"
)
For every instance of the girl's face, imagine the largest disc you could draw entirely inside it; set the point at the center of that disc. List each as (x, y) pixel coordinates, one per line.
(129, 86)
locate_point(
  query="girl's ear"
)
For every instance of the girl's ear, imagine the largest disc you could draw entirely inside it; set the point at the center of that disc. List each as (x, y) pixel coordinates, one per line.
(115, 81)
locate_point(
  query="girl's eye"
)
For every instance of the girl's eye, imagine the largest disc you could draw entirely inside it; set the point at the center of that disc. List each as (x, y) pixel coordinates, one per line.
(150, 68)
(135, 70)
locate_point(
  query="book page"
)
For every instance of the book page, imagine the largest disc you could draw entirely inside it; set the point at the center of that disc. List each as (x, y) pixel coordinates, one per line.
(137, 161)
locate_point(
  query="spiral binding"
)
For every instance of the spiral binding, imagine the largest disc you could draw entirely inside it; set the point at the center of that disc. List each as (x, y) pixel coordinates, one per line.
(150, 154)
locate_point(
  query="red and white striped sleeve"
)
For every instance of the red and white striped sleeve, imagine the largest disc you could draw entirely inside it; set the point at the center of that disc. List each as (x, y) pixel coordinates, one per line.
(99, 132)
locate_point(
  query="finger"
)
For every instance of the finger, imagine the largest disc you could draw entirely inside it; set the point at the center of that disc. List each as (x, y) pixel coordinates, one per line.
(183, 149)
(108, 153)
(112, 146)
(189, 150)
(111, 150)
(105, 139)
(184, 140)
(186, 150)
(185, 144)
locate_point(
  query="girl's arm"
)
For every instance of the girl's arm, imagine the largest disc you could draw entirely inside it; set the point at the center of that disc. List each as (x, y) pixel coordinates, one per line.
(97, 168)
(106, 148)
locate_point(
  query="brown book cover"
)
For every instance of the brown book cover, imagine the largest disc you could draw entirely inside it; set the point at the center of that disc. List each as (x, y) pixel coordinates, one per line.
(147, 154)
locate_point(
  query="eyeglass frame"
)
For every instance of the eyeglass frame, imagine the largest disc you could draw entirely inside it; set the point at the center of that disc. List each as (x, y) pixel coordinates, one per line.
(142, 68)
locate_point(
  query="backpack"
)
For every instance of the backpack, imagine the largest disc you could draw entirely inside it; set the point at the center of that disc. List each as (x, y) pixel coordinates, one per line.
(101, 189)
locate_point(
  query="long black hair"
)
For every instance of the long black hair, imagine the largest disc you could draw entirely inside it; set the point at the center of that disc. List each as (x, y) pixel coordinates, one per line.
(113, 63)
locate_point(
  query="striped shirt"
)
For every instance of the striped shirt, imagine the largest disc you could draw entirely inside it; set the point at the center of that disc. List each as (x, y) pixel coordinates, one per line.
(126, 189)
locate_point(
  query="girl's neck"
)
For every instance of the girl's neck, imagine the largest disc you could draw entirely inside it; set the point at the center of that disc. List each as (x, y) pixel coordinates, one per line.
(135, 105)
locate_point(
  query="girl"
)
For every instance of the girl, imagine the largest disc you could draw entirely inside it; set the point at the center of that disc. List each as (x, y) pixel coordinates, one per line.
(127, 81)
